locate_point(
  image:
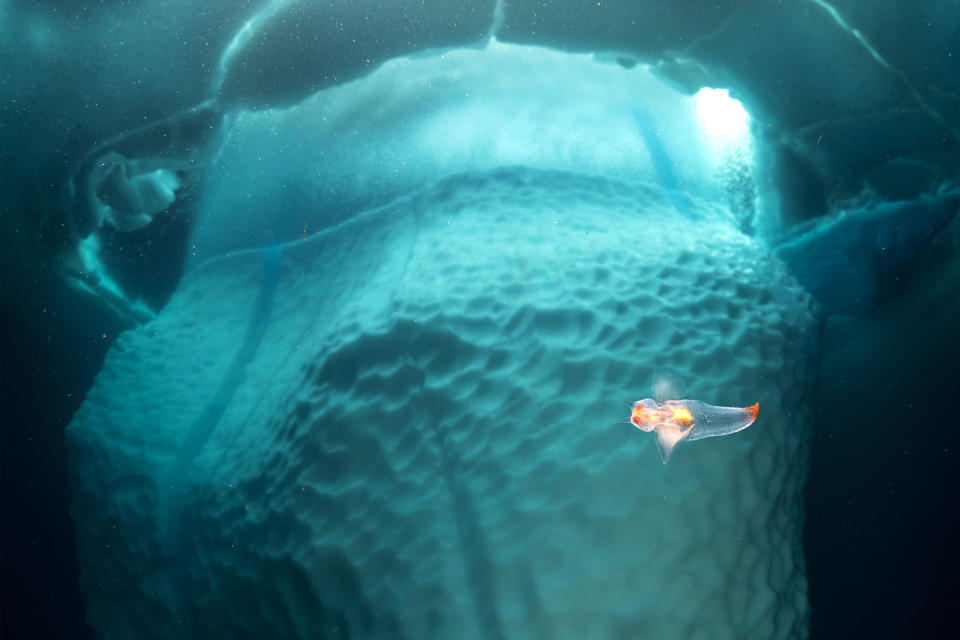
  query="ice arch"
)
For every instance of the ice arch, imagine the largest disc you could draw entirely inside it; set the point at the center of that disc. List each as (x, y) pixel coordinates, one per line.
(850, 123)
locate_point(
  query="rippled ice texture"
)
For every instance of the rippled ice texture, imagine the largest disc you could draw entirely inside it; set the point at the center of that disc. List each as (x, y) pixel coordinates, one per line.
(419, 438)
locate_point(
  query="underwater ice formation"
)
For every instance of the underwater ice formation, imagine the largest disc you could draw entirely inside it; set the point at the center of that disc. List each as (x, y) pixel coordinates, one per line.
(383, 422)
(421, 442)
(380, 399)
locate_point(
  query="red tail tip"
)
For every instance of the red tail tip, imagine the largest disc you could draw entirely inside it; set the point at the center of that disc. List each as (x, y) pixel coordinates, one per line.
(754, 410)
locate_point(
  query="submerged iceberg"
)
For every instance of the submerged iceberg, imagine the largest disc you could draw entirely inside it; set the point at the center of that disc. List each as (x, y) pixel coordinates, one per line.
(382, 399)
(403, 421)
(403, 425)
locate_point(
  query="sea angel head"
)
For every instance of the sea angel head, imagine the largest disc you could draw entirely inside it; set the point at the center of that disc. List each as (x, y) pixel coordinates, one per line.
(645, 415)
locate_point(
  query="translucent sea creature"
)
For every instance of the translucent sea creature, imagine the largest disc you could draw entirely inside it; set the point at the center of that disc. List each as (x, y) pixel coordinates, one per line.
(677, 420)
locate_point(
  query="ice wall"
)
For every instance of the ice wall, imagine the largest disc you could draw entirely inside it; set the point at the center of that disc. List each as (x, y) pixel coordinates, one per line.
(421, 441)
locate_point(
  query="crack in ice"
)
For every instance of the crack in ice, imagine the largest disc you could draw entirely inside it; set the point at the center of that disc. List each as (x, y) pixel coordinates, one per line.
(862, 39)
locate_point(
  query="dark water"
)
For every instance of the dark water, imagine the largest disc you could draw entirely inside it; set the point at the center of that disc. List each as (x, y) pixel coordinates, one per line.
(882, 536)
(46, 371)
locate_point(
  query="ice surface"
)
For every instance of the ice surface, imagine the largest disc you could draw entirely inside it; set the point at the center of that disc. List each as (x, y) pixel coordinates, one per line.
(421, 442)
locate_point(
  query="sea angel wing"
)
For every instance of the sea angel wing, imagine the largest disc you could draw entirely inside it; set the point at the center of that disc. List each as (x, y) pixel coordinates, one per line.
(667, 441)
(667, 385)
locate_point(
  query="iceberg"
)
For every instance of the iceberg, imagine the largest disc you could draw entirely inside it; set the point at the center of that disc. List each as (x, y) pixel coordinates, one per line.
(429, 251)
(420, 442)
(400, 418)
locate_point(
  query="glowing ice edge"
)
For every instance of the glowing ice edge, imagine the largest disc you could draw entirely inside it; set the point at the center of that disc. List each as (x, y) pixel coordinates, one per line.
(97, 281)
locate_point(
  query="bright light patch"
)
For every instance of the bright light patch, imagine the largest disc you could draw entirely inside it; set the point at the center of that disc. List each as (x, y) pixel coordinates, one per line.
(89, 252)
(721, 116)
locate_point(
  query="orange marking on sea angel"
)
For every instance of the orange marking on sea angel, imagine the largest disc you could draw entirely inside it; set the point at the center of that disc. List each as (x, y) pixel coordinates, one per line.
(644, 418)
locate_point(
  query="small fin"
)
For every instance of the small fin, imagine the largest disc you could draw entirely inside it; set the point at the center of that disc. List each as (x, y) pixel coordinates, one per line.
(667, 441)
(667, 385)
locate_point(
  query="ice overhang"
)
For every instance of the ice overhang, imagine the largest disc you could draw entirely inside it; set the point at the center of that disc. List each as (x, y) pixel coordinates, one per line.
(839, 104)
(842, 89)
